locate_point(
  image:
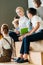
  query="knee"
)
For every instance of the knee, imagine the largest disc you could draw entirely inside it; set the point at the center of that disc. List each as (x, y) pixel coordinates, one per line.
(24, 38)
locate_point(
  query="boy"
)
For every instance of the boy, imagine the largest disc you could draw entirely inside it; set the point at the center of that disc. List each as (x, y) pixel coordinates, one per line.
(34, 35)
(15, 22)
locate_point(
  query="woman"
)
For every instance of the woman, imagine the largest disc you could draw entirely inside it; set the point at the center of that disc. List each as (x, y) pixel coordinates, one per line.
(39, 7)
(6, 44)
(34, 35)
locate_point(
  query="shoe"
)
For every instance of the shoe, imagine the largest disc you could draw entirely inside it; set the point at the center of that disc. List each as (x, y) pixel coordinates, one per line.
(14, 58)
(22, 61)
(17, 59)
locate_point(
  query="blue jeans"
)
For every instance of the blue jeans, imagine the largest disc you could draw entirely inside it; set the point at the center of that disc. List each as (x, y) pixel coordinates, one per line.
(31, 38)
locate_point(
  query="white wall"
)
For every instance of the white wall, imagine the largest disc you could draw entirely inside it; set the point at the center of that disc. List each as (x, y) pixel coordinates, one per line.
(30, 3)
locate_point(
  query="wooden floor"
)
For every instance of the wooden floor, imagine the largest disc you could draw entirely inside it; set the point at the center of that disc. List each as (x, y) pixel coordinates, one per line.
(13, 63)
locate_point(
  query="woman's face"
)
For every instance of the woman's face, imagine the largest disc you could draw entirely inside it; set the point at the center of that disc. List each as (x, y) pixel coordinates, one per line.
(36, 6)
(20, 13)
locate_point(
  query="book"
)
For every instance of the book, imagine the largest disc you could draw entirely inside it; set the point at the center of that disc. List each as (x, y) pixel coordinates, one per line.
(23, 31)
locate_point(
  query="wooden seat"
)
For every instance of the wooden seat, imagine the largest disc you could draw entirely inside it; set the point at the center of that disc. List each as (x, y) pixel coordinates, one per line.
(37, 46)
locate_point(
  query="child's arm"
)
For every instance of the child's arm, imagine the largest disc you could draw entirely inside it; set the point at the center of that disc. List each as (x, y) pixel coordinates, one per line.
(33, 29)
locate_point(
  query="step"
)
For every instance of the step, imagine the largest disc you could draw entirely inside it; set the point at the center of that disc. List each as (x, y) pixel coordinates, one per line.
(13, 63)
(37, 46)
(36, 57)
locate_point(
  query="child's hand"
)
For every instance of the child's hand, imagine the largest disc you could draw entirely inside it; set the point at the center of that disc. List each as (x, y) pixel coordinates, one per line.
(20, 38)
(17, 32)
(26, 35)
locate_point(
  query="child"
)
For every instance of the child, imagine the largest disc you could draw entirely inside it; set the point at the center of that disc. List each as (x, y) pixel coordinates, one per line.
(24, 22)
(6, 44)
(15, 22)
(34, 35)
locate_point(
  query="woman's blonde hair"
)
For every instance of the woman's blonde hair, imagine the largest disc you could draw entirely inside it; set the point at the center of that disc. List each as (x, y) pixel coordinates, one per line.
(21, 8)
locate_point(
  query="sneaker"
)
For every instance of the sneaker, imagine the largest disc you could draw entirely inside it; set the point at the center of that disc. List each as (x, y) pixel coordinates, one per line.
(22, 61)
(17, 59)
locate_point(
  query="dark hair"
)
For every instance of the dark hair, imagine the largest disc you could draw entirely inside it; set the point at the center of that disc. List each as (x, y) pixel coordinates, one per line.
(5, 28)
(38, 2)
(17, 17)
(32, 11)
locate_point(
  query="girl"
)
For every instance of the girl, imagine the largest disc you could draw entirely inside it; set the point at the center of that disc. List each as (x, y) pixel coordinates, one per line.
(24, 22)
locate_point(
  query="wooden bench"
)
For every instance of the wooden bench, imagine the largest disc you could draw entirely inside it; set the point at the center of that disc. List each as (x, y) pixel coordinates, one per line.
(36, 54)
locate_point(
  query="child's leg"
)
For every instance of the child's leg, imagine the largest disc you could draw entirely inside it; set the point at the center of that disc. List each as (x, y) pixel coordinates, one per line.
(13, 35)
(34, 37)
(28, 39)
(25, 49)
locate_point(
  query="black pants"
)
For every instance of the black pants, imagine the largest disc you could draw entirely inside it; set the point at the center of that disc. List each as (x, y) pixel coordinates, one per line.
(26, 41)
(14, 36)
